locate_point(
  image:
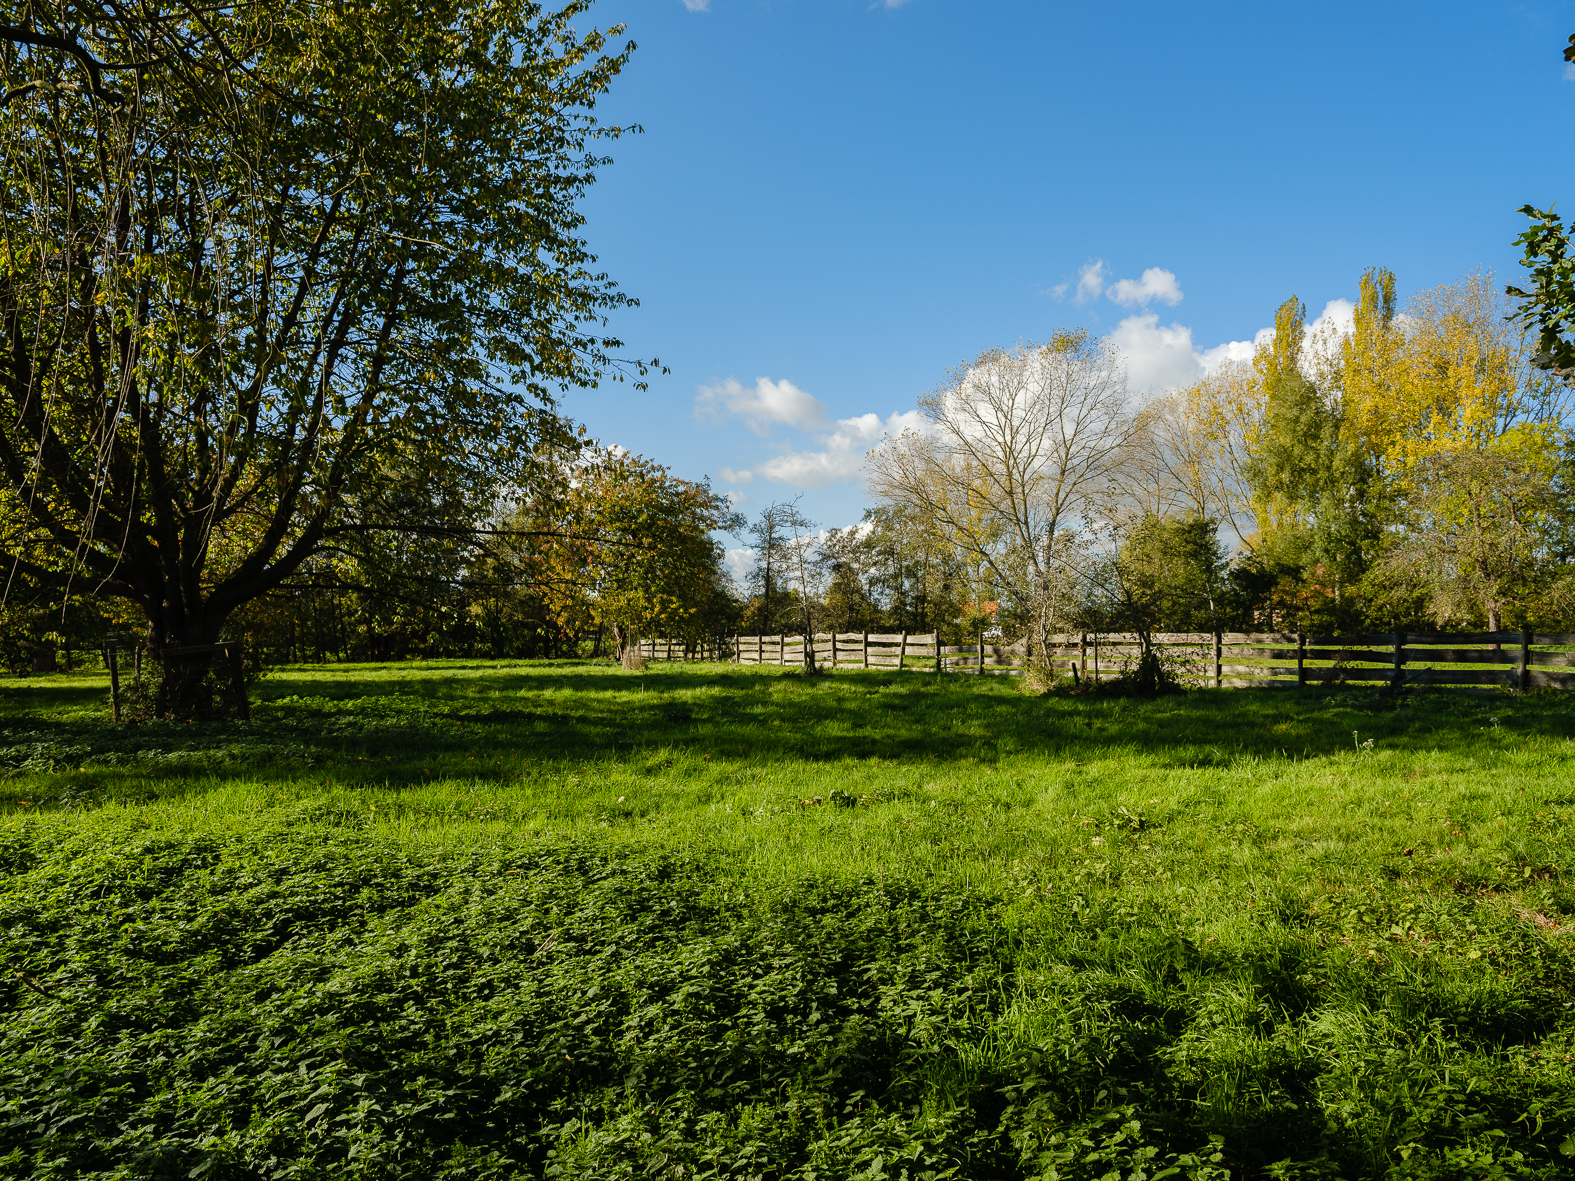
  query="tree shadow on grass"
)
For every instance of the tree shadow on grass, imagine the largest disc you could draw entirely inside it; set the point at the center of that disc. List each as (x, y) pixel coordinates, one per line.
(398, 724)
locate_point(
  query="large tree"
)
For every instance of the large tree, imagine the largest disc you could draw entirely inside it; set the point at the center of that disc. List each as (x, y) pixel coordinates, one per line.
(1018, 447)
(267, 268)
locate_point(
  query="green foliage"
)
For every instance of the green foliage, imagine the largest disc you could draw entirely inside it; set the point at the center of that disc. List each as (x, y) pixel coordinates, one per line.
(323, 279)
(1549, 306)
(1311, 484)
(1173, 573)
(481, 920)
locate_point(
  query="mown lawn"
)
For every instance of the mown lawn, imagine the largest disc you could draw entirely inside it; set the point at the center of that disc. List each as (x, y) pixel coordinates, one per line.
(477, 920)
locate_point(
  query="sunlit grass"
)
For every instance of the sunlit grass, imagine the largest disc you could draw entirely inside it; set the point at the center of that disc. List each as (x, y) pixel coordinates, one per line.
(1306, 907)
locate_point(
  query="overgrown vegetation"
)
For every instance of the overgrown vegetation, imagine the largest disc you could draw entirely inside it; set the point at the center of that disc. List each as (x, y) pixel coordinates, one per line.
(478, 920)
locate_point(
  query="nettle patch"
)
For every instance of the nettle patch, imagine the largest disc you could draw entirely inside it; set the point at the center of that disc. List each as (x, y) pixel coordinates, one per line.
(310, 1002)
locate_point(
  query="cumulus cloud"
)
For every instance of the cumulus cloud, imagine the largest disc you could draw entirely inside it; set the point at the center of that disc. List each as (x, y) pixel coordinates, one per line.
(759, 406)
(1163, 357)
(1338, 316)
(840, 458)
(1090, 280)
(1569, 72)
(1158, 357)
(1155, 284)
(737, 563)
(1234, 350)
(1093, 280)
(698, 5)
(728, 476)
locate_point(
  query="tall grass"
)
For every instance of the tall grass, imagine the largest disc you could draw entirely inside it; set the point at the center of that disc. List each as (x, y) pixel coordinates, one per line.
(784, 926)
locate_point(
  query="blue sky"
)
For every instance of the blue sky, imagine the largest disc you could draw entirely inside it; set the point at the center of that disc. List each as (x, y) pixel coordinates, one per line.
(835, 201)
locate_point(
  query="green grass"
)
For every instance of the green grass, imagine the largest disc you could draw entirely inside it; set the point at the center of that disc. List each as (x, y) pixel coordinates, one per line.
(468, 919)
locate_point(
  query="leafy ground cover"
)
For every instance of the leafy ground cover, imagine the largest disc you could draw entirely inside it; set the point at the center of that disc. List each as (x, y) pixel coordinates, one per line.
(477, 920)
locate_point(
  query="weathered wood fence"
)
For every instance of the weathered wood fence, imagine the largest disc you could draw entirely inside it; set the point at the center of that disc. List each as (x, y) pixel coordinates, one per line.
(903, 651)
(1237, 660)
(1265, 660)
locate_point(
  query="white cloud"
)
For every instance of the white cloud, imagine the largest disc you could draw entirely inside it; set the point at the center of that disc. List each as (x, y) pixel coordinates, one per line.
(1093, 280)
(698, 5)
(1090, 280)
(1569, 72)
(1158, 358)
(768, 402)
(1162, 358)
(1338, 315)
(1155, 284)
(895, 3)
(841, 457)
(1234, 350)
(737, 562)
(728, 476)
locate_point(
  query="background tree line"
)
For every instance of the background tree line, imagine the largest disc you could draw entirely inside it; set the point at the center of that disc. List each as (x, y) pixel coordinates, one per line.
(1411, 473)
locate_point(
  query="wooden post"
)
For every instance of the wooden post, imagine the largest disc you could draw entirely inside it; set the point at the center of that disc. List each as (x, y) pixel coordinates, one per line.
(1399, 657)
(979, 672)
(833, 649)
(1525, 661)
(1096, 658)
(1301, 658)
(902, 650)
(1082, 655)
(760, 649)
(866, 655)
(114, 681)
(137, 670)
(238, 681)
(940, 661)
(1218, 659)
(782, 649)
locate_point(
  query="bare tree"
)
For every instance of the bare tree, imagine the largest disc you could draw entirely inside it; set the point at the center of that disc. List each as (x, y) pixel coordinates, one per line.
(1019, 444)
(801, 552)
(766, 533)
(1191, 449)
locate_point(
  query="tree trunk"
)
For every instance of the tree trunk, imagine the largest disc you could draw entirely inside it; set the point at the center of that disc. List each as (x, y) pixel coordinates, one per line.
(185, 692)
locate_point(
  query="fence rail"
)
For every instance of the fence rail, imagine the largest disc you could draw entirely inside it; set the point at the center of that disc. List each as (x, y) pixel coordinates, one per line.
(1238, 660)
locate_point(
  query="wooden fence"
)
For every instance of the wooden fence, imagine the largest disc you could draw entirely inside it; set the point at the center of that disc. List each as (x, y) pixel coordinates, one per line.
(1237, 660)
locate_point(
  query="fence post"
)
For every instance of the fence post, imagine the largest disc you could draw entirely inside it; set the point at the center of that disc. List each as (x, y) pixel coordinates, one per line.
(782, 649)
(1301, 658)
(1082, 656)
(1525, 661)
(136, 672)
(1096, 658)
(1218, 659)
(939, 659)
(1399, 657)
(114, 681)
(833, 646)
(902, 650)
(864, 656)
(980, 671)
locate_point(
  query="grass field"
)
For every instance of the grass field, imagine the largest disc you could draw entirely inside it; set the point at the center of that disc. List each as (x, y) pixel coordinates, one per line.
(479, 920)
